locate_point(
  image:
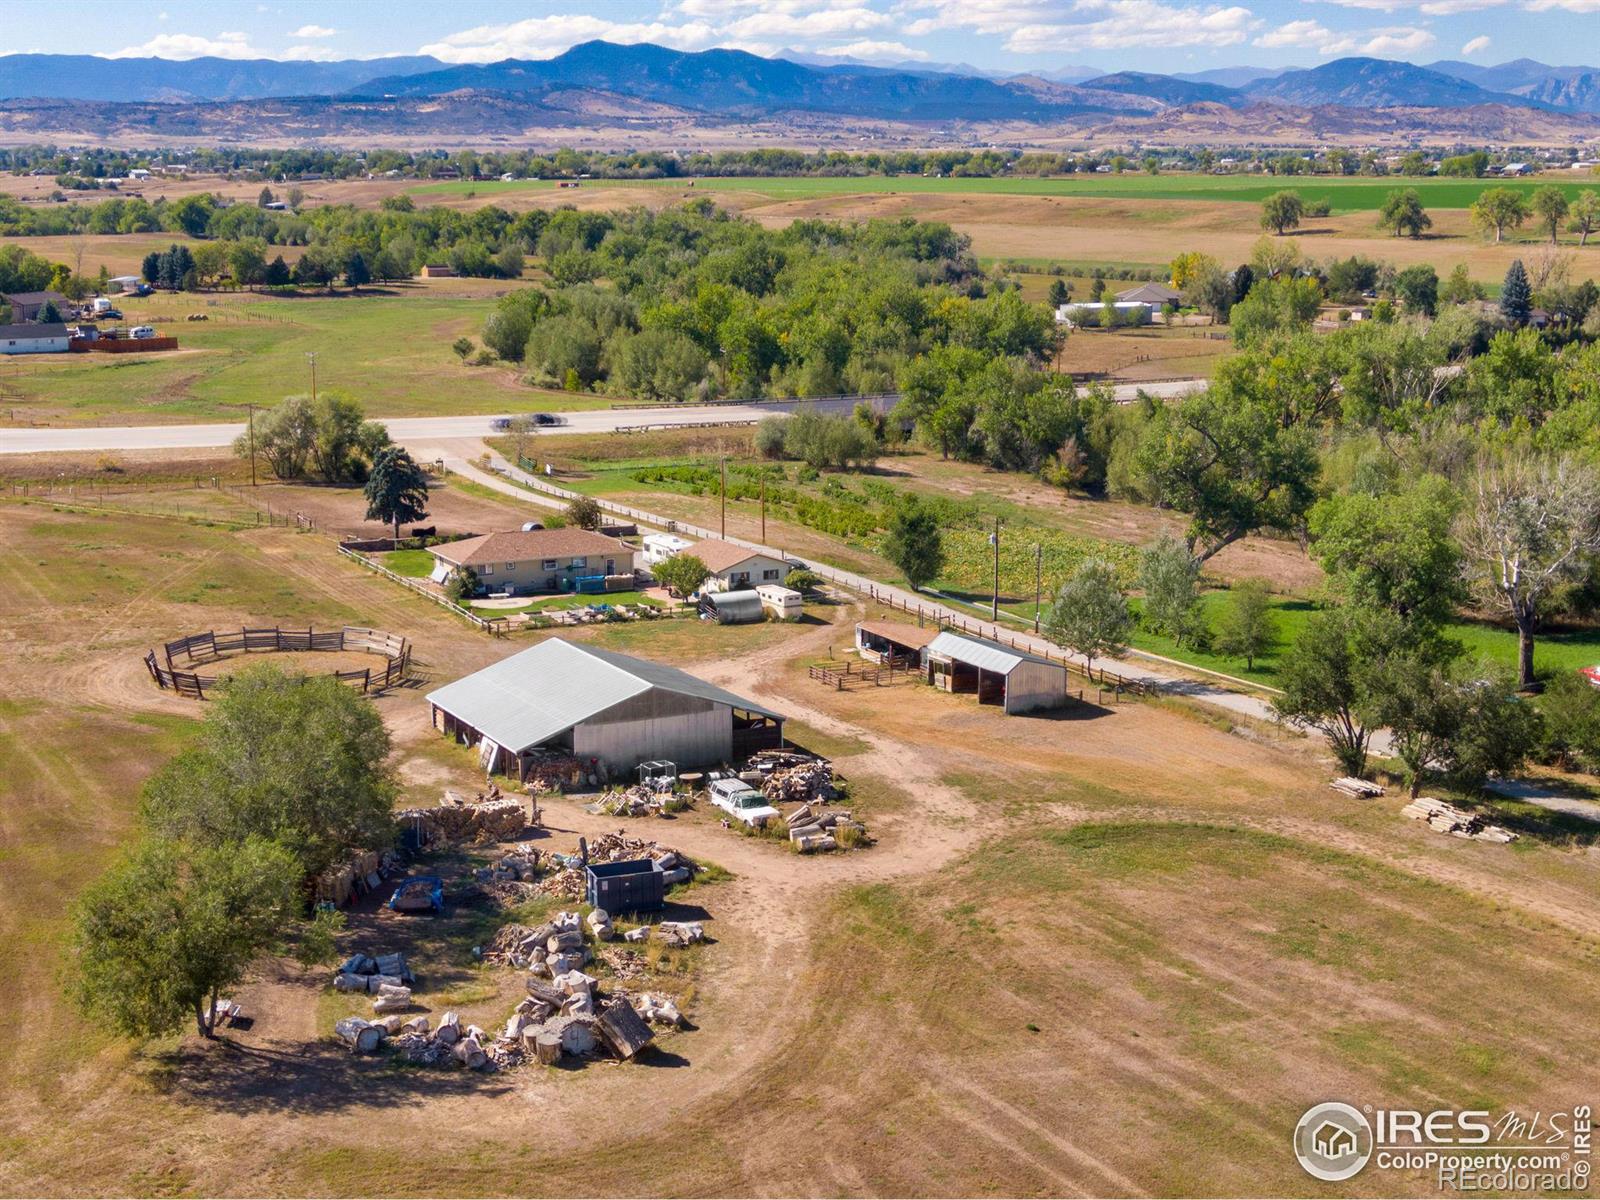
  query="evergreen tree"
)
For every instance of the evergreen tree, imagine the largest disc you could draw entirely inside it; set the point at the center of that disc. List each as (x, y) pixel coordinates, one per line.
(397, 489)
(277, 273)
(1516, 297)
(356, 273)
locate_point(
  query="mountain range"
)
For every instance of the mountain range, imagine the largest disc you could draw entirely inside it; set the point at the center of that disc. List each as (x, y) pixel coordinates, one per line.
(732, 85)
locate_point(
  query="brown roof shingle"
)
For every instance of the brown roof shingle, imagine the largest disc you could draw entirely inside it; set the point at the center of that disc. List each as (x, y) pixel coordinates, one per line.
(718, 555)
(520, 545)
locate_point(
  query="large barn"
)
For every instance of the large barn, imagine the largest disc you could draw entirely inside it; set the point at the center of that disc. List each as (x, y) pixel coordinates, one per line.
(599, 706)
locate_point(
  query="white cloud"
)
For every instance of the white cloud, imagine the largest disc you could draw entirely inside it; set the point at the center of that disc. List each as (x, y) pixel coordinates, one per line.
(823, 22)
(313, 31)
(1427, 8)
(1476, 46)
(1572, 6)
(545, 37)
(1313, 35)
(871, 51)
(1388, 43)
(1123, 24)
(189, 45)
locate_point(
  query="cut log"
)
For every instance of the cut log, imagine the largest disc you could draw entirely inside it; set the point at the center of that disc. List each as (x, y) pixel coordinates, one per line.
(623, 1029)
(393, 1002)
(547, 1047)
(349, 982)
(376, 983)
(363, 1036)
(416, 1025)
(539, 990)
(567, 939)
(449, 1032)
(469, 1053)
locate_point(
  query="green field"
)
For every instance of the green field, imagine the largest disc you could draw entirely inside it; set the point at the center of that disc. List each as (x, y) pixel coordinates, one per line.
(1347, 194)
(391, 352)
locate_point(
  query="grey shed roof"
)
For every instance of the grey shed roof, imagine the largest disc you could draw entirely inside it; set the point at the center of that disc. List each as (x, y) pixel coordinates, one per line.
(979, 652)
(545, 690)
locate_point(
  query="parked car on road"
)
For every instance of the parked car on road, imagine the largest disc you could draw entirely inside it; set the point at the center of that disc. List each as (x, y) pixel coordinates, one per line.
(742, 802)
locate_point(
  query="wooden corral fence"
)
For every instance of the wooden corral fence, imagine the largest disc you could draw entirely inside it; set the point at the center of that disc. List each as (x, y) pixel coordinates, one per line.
(199, 649)
(851, 674)
(496, 626)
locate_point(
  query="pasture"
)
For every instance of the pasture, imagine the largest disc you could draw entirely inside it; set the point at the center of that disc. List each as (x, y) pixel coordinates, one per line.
(389, 347)
(1346, 193)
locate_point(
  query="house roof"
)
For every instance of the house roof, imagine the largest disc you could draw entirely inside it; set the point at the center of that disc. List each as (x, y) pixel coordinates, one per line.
(1150, 293)
(980, 652)
(32, 332)
(720, 556)
(900, 633)
(35, 297)
(545, 690)
(520, 545)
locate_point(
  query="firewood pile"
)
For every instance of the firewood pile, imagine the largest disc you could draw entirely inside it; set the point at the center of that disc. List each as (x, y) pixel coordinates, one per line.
(551, 771)
(805, 783)
(640, 800)
(499, 820)
(1446, 818)
(365, 872)
(811, 829)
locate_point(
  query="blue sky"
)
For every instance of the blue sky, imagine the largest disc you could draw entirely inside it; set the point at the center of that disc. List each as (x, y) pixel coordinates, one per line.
(1006, 35)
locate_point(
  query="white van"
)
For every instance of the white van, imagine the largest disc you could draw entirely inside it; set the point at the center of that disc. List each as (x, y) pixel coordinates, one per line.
(141, 331)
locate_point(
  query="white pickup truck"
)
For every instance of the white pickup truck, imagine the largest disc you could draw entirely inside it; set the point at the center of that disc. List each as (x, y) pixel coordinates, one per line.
(742, 802)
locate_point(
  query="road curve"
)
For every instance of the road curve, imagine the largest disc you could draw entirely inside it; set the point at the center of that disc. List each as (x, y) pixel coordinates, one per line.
(409, 431)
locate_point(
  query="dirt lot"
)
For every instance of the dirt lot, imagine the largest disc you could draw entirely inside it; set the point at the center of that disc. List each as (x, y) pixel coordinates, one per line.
(1079, 960)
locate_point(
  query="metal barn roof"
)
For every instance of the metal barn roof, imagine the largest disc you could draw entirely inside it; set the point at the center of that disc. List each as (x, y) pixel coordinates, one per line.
(978, 652)
(545, 690)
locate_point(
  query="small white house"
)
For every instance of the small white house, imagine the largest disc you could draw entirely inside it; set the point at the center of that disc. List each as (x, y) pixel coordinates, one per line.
(34, 339)
(734, 568)
(1130, 312)
(658, 547)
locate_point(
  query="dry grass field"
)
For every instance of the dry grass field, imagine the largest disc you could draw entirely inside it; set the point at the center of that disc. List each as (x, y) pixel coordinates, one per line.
(1112, 951)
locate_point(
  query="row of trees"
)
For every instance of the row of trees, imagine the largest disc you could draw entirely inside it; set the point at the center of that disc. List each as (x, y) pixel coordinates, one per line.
(1495, 210)
(286, 777)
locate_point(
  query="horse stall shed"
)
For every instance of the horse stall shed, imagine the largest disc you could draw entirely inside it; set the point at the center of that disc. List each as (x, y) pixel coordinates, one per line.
(598, 707)
(1015, 680)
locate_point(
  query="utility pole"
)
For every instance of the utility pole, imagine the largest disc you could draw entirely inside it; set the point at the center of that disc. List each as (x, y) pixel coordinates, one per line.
(1038, 580)
(994, 540)
(311, 357)
(763, 510)
(724, 465)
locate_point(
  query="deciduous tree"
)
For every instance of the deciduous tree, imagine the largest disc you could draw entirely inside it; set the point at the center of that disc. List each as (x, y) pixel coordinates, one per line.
(1090, 614)
(913, 543)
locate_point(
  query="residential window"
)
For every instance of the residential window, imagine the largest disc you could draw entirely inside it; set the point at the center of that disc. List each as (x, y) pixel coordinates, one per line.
(741, 577)
(579, 562)
(488, 569)
(551, 564)
(511, 566)
(770, 573)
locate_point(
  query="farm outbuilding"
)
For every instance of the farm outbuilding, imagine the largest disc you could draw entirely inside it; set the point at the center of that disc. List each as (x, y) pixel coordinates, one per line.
(1014, 679)
(733, 608)
(599, 707)
(886, 641)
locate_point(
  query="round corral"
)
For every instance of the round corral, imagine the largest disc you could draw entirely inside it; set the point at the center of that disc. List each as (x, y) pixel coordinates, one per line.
(177, 664)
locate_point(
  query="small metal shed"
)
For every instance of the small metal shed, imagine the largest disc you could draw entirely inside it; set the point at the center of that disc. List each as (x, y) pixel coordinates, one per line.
(634, 885)
(733, 608)
(1014, 679)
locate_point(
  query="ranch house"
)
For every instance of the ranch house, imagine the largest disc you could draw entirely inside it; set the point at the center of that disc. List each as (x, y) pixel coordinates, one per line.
(535, 560)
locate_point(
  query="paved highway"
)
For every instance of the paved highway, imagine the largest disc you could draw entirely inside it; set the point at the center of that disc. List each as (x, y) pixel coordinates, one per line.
(414, 431)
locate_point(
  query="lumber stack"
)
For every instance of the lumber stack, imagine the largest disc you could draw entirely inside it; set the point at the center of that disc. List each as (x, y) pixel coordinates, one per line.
(1446, 818)
(1361, 789)
(803, 783)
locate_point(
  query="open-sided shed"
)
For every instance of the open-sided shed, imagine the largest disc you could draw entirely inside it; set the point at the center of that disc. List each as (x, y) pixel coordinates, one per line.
(598, 706)
(893, 641)
(1018, 681)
